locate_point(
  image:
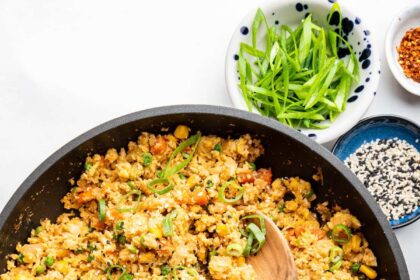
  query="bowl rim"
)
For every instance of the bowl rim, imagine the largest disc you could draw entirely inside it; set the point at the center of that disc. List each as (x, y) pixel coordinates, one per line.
(393, 63)
(220, 111)
(236, 96)
(363, 123)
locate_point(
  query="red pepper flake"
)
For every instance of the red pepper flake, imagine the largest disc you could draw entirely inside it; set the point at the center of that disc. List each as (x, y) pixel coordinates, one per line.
(409, 54)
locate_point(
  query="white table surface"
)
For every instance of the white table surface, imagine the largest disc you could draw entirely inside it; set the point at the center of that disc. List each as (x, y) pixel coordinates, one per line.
(67, 66)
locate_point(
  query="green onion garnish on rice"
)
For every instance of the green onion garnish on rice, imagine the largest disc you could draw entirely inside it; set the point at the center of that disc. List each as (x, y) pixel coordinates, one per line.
(335, 257)
(101, 209)
(165, 179)
(232, 184)
(133, 197)
(191, 272)
(256, 235)
(168, 224)
(234, 250)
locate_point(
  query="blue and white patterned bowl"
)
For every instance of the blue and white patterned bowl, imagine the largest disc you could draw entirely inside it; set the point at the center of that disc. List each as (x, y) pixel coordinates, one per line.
(291, 13)
(380, 127)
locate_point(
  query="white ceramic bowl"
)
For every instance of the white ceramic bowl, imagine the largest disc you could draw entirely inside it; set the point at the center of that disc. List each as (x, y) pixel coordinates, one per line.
(406, 19)
(287, 12)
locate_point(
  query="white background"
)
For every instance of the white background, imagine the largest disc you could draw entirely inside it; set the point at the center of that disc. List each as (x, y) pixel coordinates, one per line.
(67, 66)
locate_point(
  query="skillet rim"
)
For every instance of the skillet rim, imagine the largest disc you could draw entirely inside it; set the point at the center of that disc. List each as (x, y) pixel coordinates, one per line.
(218, 111)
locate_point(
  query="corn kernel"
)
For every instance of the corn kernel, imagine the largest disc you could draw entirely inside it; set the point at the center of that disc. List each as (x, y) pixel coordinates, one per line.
(61, 253)
(181, 132)
(148, 257)
(156, 231)
(240, 261)
(202, 255)
(171, 139)
(124, 170)
(241, 147)
(193, 180)
(355, 243)
(369, 272)
(291, 205)
(62, 266)
(221, 229)
(21, 276)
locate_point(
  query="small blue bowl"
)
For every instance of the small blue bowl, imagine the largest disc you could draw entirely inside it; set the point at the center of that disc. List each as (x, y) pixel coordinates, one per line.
(380, 127)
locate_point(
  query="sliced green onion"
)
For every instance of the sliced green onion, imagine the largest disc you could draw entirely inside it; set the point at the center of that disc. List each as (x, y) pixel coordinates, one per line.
(88, 166)
(234, 250)
(309, 194)
(168, 225)
(355, 267)
(132, 249)
(119, 225)
(165, 270)
(260, 220)
(185, 155)
(20, 258)
(217, 147)
(336, 266)
(209, 184)
(341, 234)
(91, 247)
(90, 258)
(221, 193)
(121, 239)
(168, 186)
(101, 209)
(248, 246)
(212, 253)
(123, 276)
(159, 174)
(259, 236)
(281, 208)
(252, 165)
(131, 184)
(191, 271)
(336, 254)
(121, 207)
(49, 261)
(254, 233)
(110, 270)
(126, 276)
(164, 176)
(297, 77)
(38, 230)
(193, 140)
(40, 269)
(147, 159)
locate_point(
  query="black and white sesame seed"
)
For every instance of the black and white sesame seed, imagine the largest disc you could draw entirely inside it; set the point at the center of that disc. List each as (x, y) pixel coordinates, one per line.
(390, 169)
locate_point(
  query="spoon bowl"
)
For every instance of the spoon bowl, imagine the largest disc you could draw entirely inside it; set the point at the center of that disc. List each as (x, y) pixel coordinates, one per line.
(275, 260)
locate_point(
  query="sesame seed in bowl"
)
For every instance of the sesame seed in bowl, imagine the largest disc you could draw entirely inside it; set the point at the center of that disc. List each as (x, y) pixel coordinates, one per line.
(383, 152)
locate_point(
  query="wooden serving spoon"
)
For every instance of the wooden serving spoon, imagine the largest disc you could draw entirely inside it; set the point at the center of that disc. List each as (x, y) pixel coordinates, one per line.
(275, 260)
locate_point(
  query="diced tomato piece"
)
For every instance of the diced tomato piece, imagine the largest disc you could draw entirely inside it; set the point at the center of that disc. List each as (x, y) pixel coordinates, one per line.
(200, 197)
(116, 214)
(246, 177)
(85, 196)
(265, 174)
(299, 231)
(159, 147)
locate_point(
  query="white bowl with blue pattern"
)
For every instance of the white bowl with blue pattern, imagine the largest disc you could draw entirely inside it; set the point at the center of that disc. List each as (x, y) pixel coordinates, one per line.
(359, 36)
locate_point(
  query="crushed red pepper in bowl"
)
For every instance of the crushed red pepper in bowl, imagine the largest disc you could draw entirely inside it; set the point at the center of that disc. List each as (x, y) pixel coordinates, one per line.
(409, 54)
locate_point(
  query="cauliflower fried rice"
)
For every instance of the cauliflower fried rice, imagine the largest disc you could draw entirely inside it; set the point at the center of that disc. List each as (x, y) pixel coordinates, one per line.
(140, 213)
